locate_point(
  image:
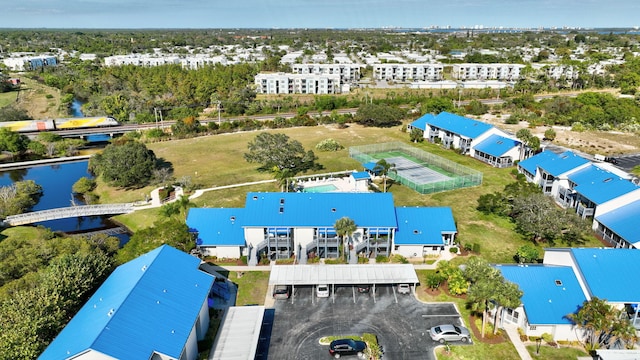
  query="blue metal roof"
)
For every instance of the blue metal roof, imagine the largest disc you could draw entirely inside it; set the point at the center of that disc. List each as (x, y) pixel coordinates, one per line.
(562, 163)
(624, 222)
(610, 273)
(148, 304)
(599, 185)
(221, 227)
(545, 301)
(359, 175)
(319, 209)
(421, 122)
(423, 225)
(496, 145)
(530, 165)
(459, 125)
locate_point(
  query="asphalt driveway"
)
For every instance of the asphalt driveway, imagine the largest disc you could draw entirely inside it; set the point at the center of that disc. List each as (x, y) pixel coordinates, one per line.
(401, 328)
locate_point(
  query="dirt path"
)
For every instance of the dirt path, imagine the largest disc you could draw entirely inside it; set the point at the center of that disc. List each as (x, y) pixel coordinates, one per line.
(40, 101)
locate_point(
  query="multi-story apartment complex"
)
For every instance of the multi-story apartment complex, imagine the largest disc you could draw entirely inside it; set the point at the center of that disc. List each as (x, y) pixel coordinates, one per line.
(348, 72)
(284, 83)
(508, 72)
(407, 72)
(29, 63)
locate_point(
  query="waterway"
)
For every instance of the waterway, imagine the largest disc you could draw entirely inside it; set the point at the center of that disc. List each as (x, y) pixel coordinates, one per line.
(76, 108)
(57, 181)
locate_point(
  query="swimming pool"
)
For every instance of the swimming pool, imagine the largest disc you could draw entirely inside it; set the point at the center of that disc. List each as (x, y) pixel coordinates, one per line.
(320, 188)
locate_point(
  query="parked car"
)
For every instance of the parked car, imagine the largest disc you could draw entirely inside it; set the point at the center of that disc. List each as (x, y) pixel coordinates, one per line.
(322, 291)
(404, 289)
(281, 292)
(342, 347)
(364, 288)
(449, 332)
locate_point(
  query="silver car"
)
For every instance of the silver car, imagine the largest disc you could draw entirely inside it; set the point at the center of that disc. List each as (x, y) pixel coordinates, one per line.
(449, 332)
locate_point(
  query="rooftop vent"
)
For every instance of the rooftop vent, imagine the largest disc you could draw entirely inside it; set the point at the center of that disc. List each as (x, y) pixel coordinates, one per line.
(281, 201)
(111, 312)
(558, 282)
(281, 210)
(333, 209)
(416, 232)
(233, 218)
(255, 197)
(500, 142)
(607, 180)
(144, 268)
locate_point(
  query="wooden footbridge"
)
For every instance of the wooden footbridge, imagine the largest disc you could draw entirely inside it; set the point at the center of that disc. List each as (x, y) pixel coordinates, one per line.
(68, 212)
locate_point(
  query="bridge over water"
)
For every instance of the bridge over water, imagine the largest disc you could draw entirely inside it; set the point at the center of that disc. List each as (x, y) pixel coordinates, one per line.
(68, 212)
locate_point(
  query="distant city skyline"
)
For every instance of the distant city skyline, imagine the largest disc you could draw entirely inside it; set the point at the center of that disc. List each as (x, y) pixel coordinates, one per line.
(128, 14)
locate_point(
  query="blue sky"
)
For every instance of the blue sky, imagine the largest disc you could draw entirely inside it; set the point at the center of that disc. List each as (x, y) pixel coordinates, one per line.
(316, 13)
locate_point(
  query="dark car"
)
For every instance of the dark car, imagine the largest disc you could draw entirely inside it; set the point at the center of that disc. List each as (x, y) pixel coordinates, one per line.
(364, 288)
(342, 347)
(281, 292)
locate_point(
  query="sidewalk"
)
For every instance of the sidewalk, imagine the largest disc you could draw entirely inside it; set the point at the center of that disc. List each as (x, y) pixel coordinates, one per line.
(512, 332)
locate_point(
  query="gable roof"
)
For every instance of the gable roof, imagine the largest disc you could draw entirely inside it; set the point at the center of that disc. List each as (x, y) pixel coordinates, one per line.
(421, 122)
(624, 222)
(147, 305)
(459, 124)
(218, 226)
(423, 226)
(545, 301)
(496, 145)
(599, 185)
(562, 163)
(609, 273)
(530, 165)
(319, 209)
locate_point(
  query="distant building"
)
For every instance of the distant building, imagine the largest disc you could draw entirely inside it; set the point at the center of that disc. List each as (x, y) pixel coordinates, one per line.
(286, 83)
(408, 72)
(30, 63)
(505, 72)
(348, 72)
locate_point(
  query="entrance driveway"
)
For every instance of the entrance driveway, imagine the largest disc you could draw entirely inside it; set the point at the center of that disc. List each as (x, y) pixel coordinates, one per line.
(401, 328)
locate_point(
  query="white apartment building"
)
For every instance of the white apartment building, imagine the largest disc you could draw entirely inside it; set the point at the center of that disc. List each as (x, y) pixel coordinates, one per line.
(285, 83)
(506, 72)
(140, 60)
(348, 72)
(408, 72)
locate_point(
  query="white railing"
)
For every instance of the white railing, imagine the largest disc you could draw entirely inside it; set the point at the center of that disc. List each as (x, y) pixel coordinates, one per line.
(68, 212)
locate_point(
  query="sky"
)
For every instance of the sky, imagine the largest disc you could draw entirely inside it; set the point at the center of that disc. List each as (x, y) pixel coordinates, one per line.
(317, 13)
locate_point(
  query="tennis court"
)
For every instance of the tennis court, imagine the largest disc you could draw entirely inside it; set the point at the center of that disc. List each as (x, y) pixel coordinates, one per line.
(415, 172)
(417, 169)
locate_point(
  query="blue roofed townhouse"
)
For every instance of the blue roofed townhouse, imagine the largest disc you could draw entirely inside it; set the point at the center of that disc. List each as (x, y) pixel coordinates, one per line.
(475, 138)
(595, 190)
(301, 225)
(152, 307)
(567, 278)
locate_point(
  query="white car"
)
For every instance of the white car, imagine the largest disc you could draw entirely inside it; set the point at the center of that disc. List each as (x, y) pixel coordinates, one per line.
(404, 289)
(322, 291)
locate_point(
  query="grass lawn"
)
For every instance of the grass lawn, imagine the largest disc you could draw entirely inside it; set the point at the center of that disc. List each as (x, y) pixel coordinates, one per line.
(252, 286)
(7, 98)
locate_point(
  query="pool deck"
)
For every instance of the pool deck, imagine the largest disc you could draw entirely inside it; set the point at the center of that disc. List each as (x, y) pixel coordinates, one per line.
(342, 184)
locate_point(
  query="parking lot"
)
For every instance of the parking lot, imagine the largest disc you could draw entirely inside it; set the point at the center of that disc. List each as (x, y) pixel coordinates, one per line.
(401, 328)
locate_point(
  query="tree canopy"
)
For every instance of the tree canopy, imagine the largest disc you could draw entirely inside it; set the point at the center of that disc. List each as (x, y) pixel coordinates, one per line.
(171, 231)
(19, 197)
(277, 152)
(127, 165)
(379, 115)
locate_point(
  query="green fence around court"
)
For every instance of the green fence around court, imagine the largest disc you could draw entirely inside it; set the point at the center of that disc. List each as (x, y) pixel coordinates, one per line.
(459, 176)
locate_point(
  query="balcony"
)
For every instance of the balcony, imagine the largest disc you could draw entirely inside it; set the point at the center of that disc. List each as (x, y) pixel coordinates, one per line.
(584, 211)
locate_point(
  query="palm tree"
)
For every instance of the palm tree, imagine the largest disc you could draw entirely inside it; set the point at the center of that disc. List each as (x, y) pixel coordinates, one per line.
(383, 167)
(345, 227)
(283, 176)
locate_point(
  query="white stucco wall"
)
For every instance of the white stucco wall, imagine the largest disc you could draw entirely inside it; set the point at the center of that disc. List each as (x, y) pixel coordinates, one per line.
(203, 316)
(93, 355)
(302, 236)
(254, 236)
(232, 252)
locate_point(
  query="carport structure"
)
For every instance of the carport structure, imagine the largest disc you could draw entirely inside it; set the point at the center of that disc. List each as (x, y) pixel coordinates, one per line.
(343, 275)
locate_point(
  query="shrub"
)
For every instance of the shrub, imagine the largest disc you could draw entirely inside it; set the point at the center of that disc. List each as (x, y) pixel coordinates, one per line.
(453, 250)
(434, 280)
(382, 259)
(329, 145)
(475, 247)
(243, 259)
(548, 338)
(458, 285)
(398, 259)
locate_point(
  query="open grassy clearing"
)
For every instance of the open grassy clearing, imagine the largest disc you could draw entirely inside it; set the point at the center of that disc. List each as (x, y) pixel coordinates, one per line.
(218, 160)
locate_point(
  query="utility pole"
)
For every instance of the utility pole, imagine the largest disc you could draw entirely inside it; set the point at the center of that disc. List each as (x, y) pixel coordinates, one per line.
(155, 113)
(219, 109)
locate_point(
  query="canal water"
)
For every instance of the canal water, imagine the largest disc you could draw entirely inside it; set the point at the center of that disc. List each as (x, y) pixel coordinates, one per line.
(57, 181)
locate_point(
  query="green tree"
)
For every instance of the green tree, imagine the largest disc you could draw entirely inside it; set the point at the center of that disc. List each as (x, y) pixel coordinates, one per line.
(416, 135)
(19, 197)
(550, 134)
(602, 324)
(345, 227)
(383, 167)
(483, 279)
(277, 151)
(129, 165)
(379, 115)
(84, 185)
(436, 105)
(527, 254)
(13, 142)
(171, 231)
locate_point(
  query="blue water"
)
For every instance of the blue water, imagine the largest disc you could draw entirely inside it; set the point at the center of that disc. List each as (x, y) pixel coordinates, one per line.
(76, 108)
(56, 182)
(320, 188)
